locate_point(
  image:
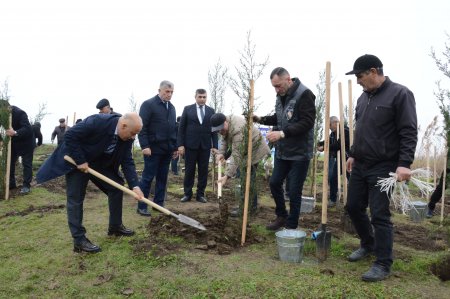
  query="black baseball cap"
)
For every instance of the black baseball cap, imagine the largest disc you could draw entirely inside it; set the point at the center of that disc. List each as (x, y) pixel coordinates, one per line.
(364, 63)
(217, 121)
(102, 103)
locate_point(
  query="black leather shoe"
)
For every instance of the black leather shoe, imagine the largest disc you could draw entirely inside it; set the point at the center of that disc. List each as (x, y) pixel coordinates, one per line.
(276, 224)
(25, 190)
(359, 254)
(430, 213)
(202, 199)
(86, 246)
(143, 212)
(185, 199)
(376, 273)
(120, 231)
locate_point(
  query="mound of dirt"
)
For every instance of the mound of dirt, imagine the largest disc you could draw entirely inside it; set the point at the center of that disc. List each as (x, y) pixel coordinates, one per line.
(442, 268)
(222, 236)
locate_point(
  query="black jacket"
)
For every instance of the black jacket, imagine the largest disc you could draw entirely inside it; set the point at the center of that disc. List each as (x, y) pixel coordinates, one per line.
(23, 142)
(297, 124)
(159, 126)
(37, 134)
(335, 143)
(386, 126)
(192, 134)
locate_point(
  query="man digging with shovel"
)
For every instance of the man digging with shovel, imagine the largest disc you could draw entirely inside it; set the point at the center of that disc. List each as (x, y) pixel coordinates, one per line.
(102, 142)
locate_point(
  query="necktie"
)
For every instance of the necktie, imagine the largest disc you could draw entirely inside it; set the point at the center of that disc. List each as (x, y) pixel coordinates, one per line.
(167, 105)
(202, 114)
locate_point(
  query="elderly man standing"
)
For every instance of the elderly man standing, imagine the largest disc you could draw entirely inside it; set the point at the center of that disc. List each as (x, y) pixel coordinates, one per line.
(195, 141)
(231, 128)
(385, 141)
(294, 117)
(59, 131)
(102, 142)
(158, 140)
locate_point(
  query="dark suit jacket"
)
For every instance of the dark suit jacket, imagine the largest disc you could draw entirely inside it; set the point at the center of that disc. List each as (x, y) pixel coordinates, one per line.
(159, 127)
(192, 134)
(23, 142)
(87, 142)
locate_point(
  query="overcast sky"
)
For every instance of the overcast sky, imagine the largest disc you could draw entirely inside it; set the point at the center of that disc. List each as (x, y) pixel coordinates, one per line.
(72, 54)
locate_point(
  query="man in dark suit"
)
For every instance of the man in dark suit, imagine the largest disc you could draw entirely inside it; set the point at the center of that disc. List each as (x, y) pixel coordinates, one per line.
(158, 140)
(102, 142)
(22, 145)
(37, 133)
(195, 140)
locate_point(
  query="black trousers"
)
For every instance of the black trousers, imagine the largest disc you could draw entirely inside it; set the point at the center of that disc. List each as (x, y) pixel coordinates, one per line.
(437, 193)
(27, 163)
(193, 158)
(76, 190)
(377, 232)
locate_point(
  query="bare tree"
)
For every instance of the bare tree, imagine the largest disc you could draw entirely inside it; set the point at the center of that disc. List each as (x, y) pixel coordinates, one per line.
(318, 127)
(42, 112)
(133, 103)
(4, 89)
(218, 80)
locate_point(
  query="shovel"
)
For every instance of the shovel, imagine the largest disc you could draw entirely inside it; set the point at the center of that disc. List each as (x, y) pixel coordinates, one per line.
(180, 217)
(323, 238)
(223, 207)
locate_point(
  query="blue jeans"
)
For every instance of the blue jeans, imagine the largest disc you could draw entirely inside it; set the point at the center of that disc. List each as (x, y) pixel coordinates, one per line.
(155, 165)
(377, 232)
(333, 178)
(296, 171)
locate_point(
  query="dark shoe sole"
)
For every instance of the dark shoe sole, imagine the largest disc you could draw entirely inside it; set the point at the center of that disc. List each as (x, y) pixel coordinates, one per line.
(119, 234)
(80, 250)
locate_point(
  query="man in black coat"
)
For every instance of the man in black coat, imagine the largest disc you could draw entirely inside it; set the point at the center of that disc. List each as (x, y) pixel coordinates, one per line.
(102, 142)
(37, 133)
(195, 140)
(22, 145)
(158, 140)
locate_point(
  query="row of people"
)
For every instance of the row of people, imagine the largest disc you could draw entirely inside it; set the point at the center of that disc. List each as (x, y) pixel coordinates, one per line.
(385, 141)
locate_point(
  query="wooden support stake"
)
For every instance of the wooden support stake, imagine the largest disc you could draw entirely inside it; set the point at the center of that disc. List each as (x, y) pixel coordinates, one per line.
(8, 160)
(249, 163)
(74, 118)
(434, 167)
(443, 186)
(343, 149)
(326, 148)
(350, 112)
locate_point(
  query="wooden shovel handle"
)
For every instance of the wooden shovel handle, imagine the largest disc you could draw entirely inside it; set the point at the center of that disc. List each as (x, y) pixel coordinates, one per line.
(119, 186)
(219, 176)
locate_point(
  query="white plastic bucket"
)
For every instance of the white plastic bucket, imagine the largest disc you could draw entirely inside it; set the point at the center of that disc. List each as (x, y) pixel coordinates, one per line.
(290, 245)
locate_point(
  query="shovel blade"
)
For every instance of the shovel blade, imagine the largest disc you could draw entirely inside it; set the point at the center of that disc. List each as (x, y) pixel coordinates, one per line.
(189, 221)
(323, 245)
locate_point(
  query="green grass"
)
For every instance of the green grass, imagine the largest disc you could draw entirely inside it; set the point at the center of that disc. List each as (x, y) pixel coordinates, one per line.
(37, 261)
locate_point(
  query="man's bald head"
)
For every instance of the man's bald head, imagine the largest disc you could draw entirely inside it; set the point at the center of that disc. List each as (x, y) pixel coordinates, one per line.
(129, 125)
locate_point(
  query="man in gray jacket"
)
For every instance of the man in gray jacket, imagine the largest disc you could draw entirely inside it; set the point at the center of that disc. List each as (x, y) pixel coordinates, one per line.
(385, 141)
(59, 131)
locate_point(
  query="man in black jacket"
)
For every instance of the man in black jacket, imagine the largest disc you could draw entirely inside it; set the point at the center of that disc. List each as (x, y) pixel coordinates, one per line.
(385, 141)
(294, 119)
(37, 133)
(158, 140)
(195, 140)
(22, 144)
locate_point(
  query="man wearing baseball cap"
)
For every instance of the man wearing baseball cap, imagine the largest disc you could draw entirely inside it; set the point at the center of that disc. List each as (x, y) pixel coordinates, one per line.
(385, 141)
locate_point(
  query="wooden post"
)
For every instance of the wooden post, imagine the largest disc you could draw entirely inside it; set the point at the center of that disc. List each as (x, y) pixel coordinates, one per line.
(326, 148)
(249, 163)
(350, 112)
(74, 118)
(434, 167)
(8, 160)
(338, 161)
(443, 186)
(219, 176)
(343, 156)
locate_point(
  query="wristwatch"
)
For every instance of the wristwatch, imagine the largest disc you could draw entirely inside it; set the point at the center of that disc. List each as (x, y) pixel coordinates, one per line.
(281, 134)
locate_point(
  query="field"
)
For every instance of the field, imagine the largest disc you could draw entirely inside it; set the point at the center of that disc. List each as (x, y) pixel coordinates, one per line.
(166, 259)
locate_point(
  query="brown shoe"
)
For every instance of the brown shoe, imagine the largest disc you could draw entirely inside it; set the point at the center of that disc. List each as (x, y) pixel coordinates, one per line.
(276, 224)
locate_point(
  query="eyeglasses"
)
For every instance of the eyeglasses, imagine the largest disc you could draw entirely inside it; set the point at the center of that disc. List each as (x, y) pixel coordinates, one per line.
(201, 97)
